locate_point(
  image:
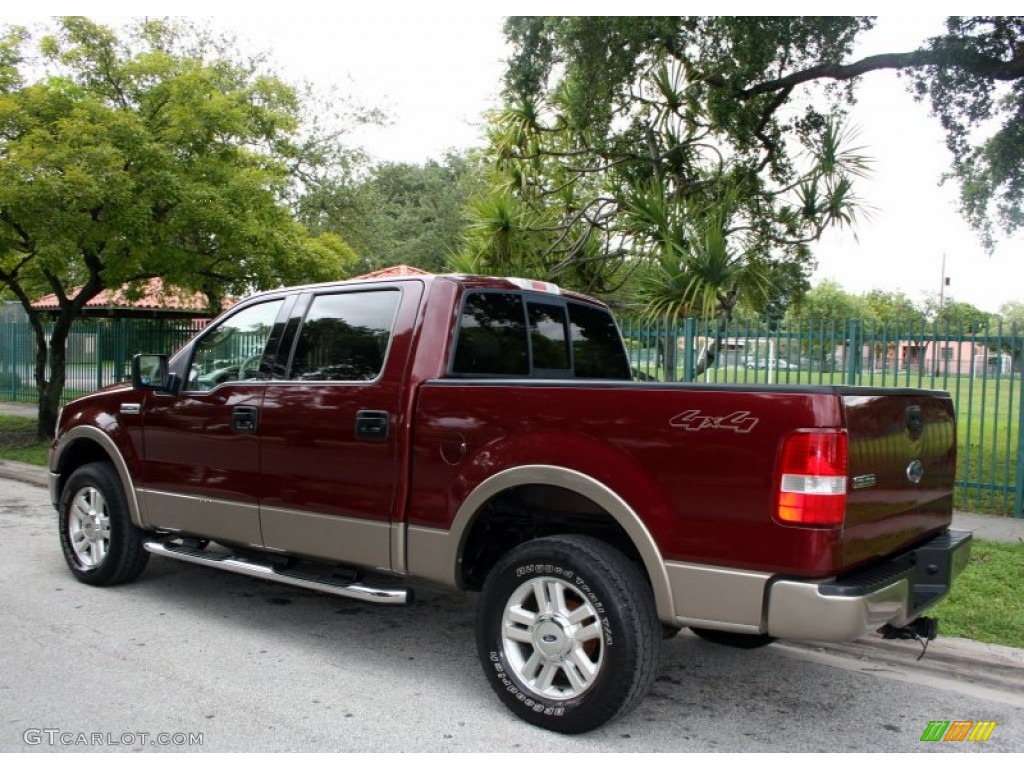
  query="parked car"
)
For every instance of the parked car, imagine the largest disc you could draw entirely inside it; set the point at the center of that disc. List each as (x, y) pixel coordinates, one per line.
(761, 363)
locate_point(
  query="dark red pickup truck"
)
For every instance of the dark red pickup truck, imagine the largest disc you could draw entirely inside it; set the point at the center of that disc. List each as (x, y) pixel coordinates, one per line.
(484, 434)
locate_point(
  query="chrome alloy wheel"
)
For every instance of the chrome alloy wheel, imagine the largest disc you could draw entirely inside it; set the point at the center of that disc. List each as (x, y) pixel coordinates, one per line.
(89, 527)
(552, 638)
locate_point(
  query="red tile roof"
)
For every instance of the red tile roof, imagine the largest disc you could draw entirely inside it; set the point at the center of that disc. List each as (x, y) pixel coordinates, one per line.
(399, 270)
(155, 295)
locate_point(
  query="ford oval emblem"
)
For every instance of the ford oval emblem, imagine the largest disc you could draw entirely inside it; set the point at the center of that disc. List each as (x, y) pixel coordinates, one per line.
(915, 471)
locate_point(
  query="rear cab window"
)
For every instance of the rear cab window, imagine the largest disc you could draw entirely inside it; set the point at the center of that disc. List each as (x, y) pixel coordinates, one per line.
(511, 334)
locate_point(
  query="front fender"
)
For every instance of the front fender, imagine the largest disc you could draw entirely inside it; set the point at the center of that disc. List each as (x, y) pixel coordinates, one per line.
(89, 440)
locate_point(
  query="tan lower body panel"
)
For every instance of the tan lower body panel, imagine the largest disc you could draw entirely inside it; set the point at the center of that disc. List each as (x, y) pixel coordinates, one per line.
(718, 598)
(430, 554)
(339, 539)
(202, 516)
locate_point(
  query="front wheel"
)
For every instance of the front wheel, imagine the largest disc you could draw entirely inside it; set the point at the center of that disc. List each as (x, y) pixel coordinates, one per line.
(568, 633)
(101, 545)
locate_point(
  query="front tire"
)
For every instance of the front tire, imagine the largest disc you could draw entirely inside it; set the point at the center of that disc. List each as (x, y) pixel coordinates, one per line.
(101, 545)
(567, 633)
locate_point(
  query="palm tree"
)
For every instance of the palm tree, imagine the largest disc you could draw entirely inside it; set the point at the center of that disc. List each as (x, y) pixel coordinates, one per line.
(695, 269)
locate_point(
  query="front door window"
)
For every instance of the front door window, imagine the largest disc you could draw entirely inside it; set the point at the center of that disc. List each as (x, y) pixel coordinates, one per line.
(233, 350)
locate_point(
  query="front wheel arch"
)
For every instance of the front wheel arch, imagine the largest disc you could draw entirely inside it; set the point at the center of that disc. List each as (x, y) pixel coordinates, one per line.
(87, 444)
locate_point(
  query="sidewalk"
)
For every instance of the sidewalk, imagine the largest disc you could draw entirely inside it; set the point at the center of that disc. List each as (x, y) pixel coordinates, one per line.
(19, 409)
(991, 527)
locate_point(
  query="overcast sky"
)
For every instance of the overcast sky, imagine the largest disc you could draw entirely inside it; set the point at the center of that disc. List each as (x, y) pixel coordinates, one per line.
(435, 75)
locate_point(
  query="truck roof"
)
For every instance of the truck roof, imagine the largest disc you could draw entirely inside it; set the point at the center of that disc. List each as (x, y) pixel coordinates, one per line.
(469, 281)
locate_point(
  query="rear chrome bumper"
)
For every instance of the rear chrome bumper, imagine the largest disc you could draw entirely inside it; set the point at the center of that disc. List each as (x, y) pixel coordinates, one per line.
(893, 592)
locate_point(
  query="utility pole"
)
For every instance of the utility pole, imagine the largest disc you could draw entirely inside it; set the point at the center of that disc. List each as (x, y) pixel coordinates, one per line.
(943, 284)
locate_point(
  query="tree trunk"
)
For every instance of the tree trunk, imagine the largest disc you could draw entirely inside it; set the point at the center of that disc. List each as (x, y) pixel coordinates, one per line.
(669, 356)
(710, 352)
(50, 389)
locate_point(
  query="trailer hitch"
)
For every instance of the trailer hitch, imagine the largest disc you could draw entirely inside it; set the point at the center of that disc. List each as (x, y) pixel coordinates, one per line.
(924, 629)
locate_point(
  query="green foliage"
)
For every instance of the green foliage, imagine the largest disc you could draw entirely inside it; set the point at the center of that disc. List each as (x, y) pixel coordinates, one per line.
(695, 271)
(893, 308)
(414, 214)
(985, 603)
(1012, 315)
(829, 303)
(616, 157)
(975, 80)
(959, 315)
(601, 112)
(157, 153)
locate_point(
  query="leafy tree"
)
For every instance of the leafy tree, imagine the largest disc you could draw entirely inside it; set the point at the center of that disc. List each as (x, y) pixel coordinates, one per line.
(973, 77)
(611, 153)
(414, 214)
(153, 155)
(1012, 315)
(893, 309)
(821, 316)
(828, 302)
(706, 108)
(958, 316)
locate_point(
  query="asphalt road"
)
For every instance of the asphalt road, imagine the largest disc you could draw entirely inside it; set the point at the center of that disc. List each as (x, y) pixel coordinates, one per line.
(245, 665)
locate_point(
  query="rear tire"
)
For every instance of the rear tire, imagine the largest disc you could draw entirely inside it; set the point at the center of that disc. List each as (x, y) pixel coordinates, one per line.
(567, 633)
(101, 545)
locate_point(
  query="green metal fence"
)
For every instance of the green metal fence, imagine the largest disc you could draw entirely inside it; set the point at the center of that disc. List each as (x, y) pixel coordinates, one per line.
(99, 353)
(980, 367)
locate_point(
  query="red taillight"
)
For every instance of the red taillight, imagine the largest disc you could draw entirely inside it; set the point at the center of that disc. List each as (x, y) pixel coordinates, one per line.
(811, 478)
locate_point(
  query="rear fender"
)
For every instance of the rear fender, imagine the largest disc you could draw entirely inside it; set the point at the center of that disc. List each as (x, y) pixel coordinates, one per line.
(590, 488)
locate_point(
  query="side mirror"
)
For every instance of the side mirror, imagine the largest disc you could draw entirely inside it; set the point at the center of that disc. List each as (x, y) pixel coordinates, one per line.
(150, 372)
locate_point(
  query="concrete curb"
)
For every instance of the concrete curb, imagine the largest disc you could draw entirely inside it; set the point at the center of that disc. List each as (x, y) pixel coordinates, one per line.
(25, 473)
(951, 658)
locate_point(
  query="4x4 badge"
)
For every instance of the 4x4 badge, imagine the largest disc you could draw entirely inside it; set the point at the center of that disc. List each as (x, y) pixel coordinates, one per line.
(694, 421)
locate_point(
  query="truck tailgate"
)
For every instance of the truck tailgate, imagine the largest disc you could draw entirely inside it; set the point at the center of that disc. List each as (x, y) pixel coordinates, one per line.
(902, 465)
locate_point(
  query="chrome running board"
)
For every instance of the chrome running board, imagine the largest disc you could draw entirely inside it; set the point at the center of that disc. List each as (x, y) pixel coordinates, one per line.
(227, 562)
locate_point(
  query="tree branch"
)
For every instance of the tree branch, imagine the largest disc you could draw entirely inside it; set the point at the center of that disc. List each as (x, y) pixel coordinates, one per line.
(955, 58)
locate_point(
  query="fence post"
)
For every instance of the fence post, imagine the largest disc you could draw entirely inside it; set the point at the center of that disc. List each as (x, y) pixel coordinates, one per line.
(689, 331)
(99, 347)
(670, 350)
(853, 354)
(1018, 489)
(120, 344)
